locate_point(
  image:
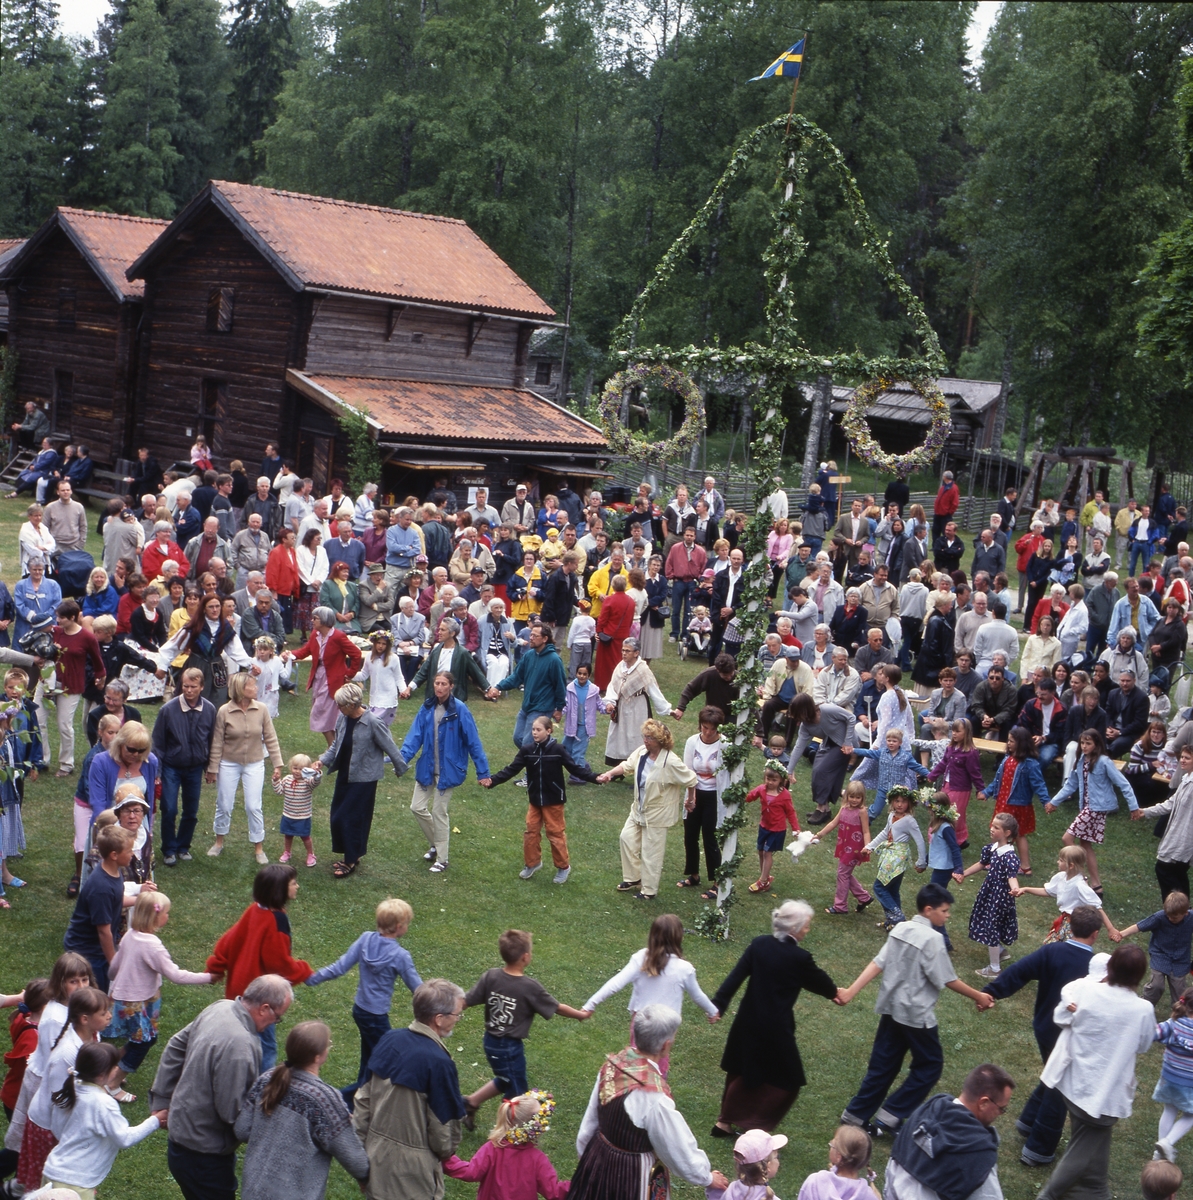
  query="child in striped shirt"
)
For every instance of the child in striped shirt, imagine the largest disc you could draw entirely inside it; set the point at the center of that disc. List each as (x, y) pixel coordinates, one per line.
(1174, 1089)
(297, 790)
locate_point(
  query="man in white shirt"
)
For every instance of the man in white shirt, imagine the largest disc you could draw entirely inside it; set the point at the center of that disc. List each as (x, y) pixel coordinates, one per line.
(713, 498)
(675, 516)
(299, 506)
(969, 622)
(993, 636)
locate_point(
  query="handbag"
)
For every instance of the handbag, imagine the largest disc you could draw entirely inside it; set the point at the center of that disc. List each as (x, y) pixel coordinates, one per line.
(664, 611)
(604, 638)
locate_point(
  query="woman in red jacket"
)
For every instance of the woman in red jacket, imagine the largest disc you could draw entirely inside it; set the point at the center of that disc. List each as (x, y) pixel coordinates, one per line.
(334, 661)
(1025, 547)
(259, 944)
(281, 576)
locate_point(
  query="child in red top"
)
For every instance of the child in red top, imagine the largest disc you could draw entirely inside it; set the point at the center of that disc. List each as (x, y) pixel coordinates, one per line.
(22, 1029)
(777, 814)
(510, 1166)
(259, 944)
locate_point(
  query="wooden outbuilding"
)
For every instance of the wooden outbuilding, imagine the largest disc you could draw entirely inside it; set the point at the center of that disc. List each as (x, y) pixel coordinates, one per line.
(73, 319)
(261, 306)
(8, 247)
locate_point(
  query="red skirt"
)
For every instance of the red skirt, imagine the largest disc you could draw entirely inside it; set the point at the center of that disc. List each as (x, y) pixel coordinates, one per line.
(1025, 814)
(36, 1144)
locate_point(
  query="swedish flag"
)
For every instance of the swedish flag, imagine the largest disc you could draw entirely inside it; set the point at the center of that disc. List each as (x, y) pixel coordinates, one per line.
(787, 64)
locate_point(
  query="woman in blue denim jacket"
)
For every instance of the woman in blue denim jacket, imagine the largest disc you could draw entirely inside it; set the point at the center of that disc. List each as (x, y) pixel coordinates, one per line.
(1094, 781)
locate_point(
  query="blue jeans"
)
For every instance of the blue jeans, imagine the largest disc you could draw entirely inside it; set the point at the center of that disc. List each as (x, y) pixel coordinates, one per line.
(1139, 550)
(190, 781)
(891, 1045)
(878, 805)
(522, 726)
(373, 1027)
(681, 601)
(888, 897)
(576, 748)
(1045, 1114)
(1095, 639)
(507, 1057)
(286, 606)
(202, 1176)
(1047, 753)
(269, 1046)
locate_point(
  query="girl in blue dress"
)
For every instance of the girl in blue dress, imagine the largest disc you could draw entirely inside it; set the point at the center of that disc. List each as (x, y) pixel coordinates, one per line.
(993, 921)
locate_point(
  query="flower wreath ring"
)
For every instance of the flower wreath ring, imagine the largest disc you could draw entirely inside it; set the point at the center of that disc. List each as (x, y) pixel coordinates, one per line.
(621, 441)
(857, 428)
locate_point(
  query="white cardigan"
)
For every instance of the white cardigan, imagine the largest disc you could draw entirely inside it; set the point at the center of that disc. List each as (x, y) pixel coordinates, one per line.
(94, 1133)
(384, 682)
(668, 987)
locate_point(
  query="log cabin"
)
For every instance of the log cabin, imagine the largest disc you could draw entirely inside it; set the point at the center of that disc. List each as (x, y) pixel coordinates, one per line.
(269, 312)
(73, 319)
(8, 247)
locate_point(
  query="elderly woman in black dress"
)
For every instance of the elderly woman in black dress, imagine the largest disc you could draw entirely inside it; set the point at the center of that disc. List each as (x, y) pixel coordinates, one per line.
(763, 1071)
(357, 755)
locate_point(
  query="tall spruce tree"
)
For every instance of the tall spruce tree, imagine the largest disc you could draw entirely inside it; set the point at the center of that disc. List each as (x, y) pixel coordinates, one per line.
(261, 49)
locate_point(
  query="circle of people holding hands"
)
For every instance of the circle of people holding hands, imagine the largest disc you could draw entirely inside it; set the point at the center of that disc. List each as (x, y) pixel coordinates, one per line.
(200, 592)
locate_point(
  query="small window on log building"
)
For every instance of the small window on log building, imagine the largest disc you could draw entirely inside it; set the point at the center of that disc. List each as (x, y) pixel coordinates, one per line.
(220, 301)
(64, 395)
(66, 308)
(542, 372)
(213, 406)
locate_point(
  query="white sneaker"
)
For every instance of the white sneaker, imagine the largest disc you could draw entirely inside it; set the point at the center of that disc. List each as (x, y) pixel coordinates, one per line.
(561, 876)
(430, 855)
(437, 868)
(1167, 1149)
(988, 972)
(521, 783)
(527, 872)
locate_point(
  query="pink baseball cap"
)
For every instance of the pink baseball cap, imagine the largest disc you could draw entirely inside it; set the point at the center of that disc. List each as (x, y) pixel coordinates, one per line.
(756, 1145)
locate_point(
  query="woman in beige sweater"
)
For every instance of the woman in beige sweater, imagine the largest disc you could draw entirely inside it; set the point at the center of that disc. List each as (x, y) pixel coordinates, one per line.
(243, 732)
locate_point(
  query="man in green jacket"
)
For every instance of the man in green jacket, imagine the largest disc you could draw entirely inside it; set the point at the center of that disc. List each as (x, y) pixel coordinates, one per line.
(541, 674)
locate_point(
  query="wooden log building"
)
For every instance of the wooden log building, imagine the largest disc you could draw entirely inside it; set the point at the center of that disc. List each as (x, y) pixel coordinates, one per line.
(74, 319)
(266, 311)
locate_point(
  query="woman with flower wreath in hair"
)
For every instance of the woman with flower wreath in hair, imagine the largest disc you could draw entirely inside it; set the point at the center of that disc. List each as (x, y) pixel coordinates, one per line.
(510, 1166)
(295, 1124)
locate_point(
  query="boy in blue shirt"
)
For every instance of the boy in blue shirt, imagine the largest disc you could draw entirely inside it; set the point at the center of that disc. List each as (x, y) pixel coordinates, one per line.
(382, 958)
(894, 761)
(94, 928)
(1169, 952)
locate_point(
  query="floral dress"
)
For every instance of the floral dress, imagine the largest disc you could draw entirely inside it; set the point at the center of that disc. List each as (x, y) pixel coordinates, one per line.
(993, 920)
(850, 843)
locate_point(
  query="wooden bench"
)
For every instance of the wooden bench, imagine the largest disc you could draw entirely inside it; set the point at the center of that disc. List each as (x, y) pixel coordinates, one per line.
(1001, 748)
(96, 492)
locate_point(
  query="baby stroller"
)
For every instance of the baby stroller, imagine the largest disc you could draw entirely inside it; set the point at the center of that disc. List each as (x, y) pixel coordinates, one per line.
(690, 646)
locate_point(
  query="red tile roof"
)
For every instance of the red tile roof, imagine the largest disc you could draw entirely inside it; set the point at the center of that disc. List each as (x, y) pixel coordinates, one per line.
(449, 412)
(7, 244)
(318, 242)
(112, 243)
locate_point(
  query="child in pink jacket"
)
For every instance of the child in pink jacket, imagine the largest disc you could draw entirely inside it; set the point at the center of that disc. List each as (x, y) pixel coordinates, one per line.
(510, 1166)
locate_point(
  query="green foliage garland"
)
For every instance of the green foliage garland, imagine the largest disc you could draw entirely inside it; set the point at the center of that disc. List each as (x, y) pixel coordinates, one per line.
(776, 366)
(621, 441)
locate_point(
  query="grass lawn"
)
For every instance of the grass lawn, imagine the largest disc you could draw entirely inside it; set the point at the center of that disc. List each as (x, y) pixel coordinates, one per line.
(584, 932)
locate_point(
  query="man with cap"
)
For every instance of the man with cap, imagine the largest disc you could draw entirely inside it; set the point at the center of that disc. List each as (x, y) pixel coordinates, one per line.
(376, 599)
(519, 512)
(471, 591)
(948, 1147)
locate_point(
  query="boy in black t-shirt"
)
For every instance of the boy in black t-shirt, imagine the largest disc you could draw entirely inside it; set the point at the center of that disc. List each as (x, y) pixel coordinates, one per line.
(94, 927)
(511, 999)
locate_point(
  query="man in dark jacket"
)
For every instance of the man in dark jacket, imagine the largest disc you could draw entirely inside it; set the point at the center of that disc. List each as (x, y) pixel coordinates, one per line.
(437, 540)
(1044, 718)
(948, 549)
(727, 591)
(264, 503)
(1126, 715)
(948, 1147)
(1052, 966)
(988, 556)
(992, 706)
(1006, 509)
(898, 493)
(262, 619)
(715, 683)
(560, 594)
(1100, 601)
(182, 742)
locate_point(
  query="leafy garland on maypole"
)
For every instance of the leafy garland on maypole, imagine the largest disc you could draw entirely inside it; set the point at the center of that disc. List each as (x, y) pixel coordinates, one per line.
(777, 366)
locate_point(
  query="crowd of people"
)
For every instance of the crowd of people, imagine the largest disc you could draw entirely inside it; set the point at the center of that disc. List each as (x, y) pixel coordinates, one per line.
(194, 611)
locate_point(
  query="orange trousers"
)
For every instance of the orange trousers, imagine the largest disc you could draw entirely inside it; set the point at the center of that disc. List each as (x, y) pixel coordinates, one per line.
(551, 816)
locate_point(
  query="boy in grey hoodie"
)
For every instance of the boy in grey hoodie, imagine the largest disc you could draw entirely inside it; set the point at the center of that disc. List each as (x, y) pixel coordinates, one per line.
(382, 958)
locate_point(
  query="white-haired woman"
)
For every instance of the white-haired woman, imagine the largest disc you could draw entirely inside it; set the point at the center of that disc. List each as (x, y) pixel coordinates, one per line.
(410, 635)
(497, 641)
(357, 755)
(763, 1070)
(242, 735)
(632, 685)
(642, 1137)
(335, 659)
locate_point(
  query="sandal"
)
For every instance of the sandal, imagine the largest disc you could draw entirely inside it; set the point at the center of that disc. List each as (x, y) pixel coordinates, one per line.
(1025, 871)
(711, 894)
(120, 1095)
(690, 882)
(864, 904)
(72, 888)
(759, 885)
(342, 870)
(837, 912)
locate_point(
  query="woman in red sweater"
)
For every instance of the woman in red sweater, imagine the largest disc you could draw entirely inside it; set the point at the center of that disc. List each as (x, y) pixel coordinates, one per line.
(75, 646)
(259, 944)
(281, 576)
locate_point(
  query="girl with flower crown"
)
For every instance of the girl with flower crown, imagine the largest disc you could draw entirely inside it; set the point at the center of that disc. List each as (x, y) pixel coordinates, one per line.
(510, 1166)
(136, 974)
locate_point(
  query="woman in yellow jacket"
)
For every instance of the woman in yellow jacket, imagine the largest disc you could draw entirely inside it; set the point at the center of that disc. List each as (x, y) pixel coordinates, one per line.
(523, 591)
(661, 782)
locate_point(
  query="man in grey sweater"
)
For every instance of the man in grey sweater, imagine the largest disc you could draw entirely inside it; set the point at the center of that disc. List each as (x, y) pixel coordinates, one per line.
(206, 1071)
